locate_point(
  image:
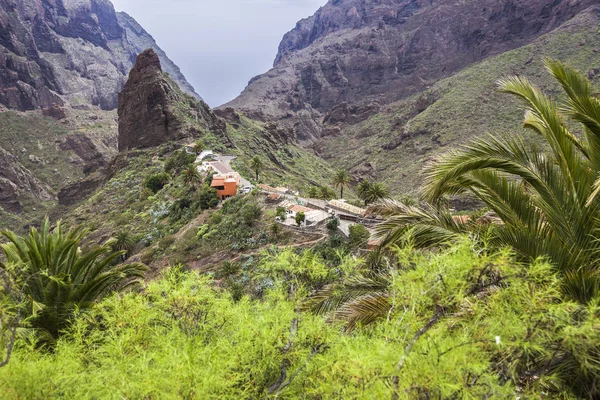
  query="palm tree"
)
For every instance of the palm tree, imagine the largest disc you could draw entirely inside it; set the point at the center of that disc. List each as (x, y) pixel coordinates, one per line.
(256, 164)
(548, 200)
(363, 190)
(360, 300)
(58, 278)
(313, 192)
(341, 180)
(376, 192)
(191, 177)
(199, 146)
(122, 242)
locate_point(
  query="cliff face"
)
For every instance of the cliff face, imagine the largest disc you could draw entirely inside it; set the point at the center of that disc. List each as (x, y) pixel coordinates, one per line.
(153, 111)
(16, 182)
(374, 52)
(74, 52)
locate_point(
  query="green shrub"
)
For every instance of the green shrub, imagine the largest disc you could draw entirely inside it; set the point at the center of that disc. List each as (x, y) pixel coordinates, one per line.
(333, 225)
(156, 182)
(147, 255)
(462, 324)
(202, 230)
(179, 161)
(166, 242)
(300, 218)
(208, 198)
(359, 237)
(281, 213)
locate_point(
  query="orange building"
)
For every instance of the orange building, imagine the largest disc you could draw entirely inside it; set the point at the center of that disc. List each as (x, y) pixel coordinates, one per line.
(226, 187)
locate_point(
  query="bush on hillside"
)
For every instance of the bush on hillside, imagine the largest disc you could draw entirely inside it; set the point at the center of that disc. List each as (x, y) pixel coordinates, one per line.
(359, 237)
(156, 182)
(179, 161)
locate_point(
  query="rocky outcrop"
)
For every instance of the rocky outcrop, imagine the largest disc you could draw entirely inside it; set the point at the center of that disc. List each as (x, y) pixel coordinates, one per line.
(152, 110)
(16, 183)
(79, 191)
(74, 52)
(364, 51)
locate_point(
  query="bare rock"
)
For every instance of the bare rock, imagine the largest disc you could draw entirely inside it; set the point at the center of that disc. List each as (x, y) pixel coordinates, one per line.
(152, 109)
(79, 191)
(356, 52)
(229, 115)
(57, 52)
(17, 182)
(55, 111)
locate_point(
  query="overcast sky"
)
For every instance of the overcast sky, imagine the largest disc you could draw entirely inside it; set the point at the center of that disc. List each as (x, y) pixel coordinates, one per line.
(219, 44)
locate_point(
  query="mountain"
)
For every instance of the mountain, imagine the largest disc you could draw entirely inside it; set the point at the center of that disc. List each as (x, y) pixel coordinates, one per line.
(152, 111)
(63, 64)
(369, 53)
(69, 52)
(155, 121)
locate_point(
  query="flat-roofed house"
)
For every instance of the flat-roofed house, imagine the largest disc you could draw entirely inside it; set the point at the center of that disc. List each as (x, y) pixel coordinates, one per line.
(226, 187)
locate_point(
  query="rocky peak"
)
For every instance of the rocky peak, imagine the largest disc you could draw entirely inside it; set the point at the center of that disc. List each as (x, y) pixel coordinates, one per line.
(142, 40)
(153, 110)
(72, 52)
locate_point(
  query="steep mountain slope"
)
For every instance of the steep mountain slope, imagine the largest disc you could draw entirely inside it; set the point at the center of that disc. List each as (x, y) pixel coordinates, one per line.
(372, 53)
(75, 52)
(70, 58)
(156, 119)
(394, 145)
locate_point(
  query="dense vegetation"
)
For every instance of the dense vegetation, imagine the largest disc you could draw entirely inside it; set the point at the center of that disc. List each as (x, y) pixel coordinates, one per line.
(494, 305)
(463, 323)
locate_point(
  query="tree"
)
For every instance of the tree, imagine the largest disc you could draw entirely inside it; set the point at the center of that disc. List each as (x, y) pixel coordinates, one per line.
(281, 213)
(208, 197)
(313, 192)
(191, 177)
(372, 192)
(341, 180)
(122, 242)
(179, 161)
(547, 199)
(156, 182)
(359, 237)
(256, 164)
(11, 304)
(276, 230)
(300, 218)
(58, 279)
(363, 190)
(326, 193)
(377, 192)
(333, 225)
(199, 146)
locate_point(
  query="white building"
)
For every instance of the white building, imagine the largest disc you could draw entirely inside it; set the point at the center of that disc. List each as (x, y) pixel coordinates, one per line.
(221, 170)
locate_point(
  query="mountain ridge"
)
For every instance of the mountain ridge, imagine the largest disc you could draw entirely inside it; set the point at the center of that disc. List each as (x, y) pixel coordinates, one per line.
(363, 52)
(75, 53)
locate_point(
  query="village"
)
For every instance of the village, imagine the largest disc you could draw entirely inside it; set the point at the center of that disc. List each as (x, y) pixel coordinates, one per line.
(298, 213)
